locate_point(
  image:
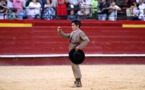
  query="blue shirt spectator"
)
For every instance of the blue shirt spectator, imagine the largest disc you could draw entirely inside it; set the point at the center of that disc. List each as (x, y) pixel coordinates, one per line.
(71, 16)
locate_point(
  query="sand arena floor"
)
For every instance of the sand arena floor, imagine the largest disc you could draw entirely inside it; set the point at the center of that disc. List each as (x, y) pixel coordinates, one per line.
(95, 77)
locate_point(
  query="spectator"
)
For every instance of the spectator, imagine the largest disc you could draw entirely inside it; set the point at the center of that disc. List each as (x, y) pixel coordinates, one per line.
(28, 2)
(134, 11)
(54, 3)
(103, 10)
(87, 5)
(27, 7)
(113, 11)
(141, 8)
(13, 14)
(137, 1)
(74, 4)
(129, 3)
(43, 3)
(10, 5)
(72, 16)
(143, 17)
(81, 14)
(61, 8)
(34, 9)
(3, 9)
(18, 4)
(49, 12)
(94, 9)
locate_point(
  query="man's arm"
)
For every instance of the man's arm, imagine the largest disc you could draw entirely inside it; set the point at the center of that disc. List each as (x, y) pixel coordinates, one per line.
(61, 33)
(85, 41)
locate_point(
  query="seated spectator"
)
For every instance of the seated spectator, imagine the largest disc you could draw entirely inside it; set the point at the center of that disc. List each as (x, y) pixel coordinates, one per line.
(129, 3)
(113, 11)
(134, 11)
(137, 1)
(141, 8)
(27, 2)
(3, 9)
(54, 3)
(49, 12)
(74, 4)
(72, 16)
(61, 8)
(34, 10)
(87, 5)
(103, 10)
(27, 7)
(13, 14)
(143, 16)
(42, 2)
(18, 4)
(81, 14)
(94, 9)
(9, 5)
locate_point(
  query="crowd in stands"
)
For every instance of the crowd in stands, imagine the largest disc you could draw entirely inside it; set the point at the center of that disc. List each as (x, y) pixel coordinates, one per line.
(72, 9)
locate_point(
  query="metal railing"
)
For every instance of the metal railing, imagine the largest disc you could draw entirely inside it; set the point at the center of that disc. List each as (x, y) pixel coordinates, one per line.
(66, 55)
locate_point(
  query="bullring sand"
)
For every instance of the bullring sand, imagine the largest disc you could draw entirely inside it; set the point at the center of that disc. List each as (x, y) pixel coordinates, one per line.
(95, 77)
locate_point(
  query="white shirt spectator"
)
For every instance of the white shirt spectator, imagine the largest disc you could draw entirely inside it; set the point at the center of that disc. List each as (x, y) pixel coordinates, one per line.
(24, 3)
(137, 1)
(82, 13)
(135, 11)
(141, 8)
(88, 2)
(143, 16)
(36, 10)
(74, 1)
(113, 14)
(9, 4)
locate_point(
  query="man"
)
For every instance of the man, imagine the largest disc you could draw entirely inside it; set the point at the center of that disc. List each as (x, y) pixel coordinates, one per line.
(73, 4)
(78, 40)
(141, 8)
(81, 14)
(113, 11)
(129, 3)
(103, 10)
(3, 9)
(94, 4)
(87, 5)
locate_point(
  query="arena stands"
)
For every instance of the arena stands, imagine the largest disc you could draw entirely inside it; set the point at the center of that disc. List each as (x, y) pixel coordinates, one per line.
(53, 9)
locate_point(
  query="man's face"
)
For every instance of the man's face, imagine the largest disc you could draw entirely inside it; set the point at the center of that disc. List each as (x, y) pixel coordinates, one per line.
(34, 0)
(72, 12)
(113, 3)
(82, 9)
(2, 2)
(74, 27)
(103, 0)
(140, 1)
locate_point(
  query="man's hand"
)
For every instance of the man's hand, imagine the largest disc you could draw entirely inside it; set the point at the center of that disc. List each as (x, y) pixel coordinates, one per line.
(76, 49)
(59, 29)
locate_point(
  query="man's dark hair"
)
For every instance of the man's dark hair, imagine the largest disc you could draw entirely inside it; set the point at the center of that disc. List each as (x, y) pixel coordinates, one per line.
(77, 22)
(2, 0)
